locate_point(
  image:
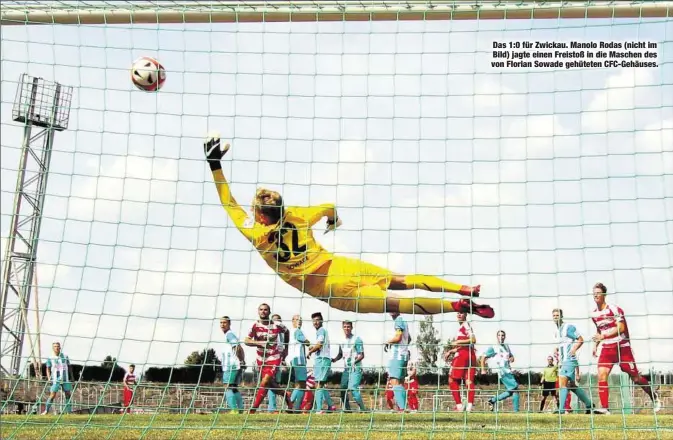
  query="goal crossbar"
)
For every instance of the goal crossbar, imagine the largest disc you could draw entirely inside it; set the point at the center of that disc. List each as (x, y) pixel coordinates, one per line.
(110, 13)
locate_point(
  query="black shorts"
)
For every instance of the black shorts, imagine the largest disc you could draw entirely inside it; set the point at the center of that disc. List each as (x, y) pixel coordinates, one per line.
(548, 389)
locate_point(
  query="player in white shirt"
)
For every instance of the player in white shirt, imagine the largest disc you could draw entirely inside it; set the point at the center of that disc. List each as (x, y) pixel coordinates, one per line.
(233, 364)
(322, 364)
(398, 345)
(352, 351)
(569, 342)
(296, 358)
(59, 373)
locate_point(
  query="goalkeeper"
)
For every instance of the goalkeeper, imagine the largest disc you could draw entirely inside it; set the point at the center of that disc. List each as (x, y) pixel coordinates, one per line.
(284, 238)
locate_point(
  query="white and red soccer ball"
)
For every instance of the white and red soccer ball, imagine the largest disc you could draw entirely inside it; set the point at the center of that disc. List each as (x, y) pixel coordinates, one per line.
(148, 74)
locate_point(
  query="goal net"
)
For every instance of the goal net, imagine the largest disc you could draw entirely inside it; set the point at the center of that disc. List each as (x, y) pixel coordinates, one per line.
(523, 147)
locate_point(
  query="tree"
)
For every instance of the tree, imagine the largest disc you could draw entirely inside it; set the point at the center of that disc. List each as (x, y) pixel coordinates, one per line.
(428, 346)
(109, 362)
(204, 357)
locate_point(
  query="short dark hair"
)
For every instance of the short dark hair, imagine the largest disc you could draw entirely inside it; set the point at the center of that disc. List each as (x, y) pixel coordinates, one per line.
(132, 366)
(264, 304)
(347, 322)
(316, 315)
(276, 315)
(601, 286)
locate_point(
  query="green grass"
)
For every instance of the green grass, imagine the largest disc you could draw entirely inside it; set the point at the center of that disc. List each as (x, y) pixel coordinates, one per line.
(339, 426)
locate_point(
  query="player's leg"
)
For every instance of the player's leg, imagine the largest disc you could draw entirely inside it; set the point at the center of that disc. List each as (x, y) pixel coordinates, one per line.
(627, 363)
(431, 284)
(545, 394)
(511, 385)
(321, 370)
(67, 390)
(563, 388)
(354, 381)
(343, 390)
(458, 373)
(298, 374)
(569, 372)
(53, 390)
(356, 286)
(397, 372)
(469, 384)
(271, 395)
(607, 359)
(266, 373)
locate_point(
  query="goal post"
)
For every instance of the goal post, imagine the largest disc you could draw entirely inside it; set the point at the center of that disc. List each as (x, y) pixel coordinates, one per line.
(441, 158)
(108, 13)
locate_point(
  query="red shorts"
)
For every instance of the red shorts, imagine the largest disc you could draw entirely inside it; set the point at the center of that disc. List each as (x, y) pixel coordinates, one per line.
(464, 366)
(617, 354)
(269, 368)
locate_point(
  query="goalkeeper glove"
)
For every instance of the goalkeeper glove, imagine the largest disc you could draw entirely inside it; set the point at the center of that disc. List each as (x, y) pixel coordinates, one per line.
(214, 151)
(333, 224)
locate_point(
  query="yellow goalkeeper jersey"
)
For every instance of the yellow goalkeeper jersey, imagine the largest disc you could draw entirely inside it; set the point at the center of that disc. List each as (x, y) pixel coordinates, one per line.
(289, 248)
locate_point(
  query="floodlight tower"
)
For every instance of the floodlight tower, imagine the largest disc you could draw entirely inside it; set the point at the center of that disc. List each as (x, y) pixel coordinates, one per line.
(44, 108)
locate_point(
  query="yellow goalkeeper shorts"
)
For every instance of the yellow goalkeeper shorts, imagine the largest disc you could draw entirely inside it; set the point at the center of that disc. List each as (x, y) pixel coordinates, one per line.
(347, 284)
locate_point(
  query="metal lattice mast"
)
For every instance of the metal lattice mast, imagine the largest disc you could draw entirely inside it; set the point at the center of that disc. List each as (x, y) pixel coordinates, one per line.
(44, 108)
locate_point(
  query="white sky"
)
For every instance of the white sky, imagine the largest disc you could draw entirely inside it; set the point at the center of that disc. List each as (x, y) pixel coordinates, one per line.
(535, 184)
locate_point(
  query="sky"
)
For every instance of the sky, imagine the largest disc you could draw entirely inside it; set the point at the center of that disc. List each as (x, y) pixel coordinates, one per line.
(533, 183)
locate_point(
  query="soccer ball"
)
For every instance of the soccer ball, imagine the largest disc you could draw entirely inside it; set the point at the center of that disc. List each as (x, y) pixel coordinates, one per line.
(148, 74)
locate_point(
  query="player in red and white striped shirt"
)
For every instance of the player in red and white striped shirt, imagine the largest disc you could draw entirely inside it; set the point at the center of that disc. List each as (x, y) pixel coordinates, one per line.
(129, 384)
(266, 336)
(463, 360)
(613, 338)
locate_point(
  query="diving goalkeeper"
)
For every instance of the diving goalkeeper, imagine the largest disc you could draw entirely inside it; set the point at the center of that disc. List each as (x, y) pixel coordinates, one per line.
(283, 237)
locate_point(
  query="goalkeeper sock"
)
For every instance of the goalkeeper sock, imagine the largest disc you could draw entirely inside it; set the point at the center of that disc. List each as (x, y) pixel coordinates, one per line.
(604, 393)
(433, 284)
(455, 391)
(400, 397)
(564, 395)
(579, 392)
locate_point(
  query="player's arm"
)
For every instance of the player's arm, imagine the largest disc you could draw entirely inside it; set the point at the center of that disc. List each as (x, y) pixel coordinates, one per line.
(618, 330)
(339, 355)
(360, 351)
(214, 151)
(318, 345)
(575, 336)
(286, 342)
(48, 365)
(482, 359)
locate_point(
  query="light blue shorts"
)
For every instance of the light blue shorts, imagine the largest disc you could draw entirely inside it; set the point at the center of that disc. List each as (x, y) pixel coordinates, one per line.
(397, 369)
(231, 376)
(298, 371)
(509, 381)
(321, 369)
(354, 379)
(568, 370)
(67, 387)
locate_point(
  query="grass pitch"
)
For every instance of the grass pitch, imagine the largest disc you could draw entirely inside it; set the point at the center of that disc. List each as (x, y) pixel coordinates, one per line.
(438, 426)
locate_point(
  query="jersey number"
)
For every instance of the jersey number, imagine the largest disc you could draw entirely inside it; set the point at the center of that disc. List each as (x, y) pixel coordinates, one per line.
(287, 250)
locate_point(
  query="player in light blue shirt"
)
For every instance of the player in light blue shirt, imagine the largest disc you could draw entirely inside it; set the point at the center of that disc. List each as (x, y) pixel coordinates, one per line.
(322, 363)
(297, 359)
(569, 341)
(59, 372)
(233, 364)
(398, 346)
(352, 351)
(503, 357)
